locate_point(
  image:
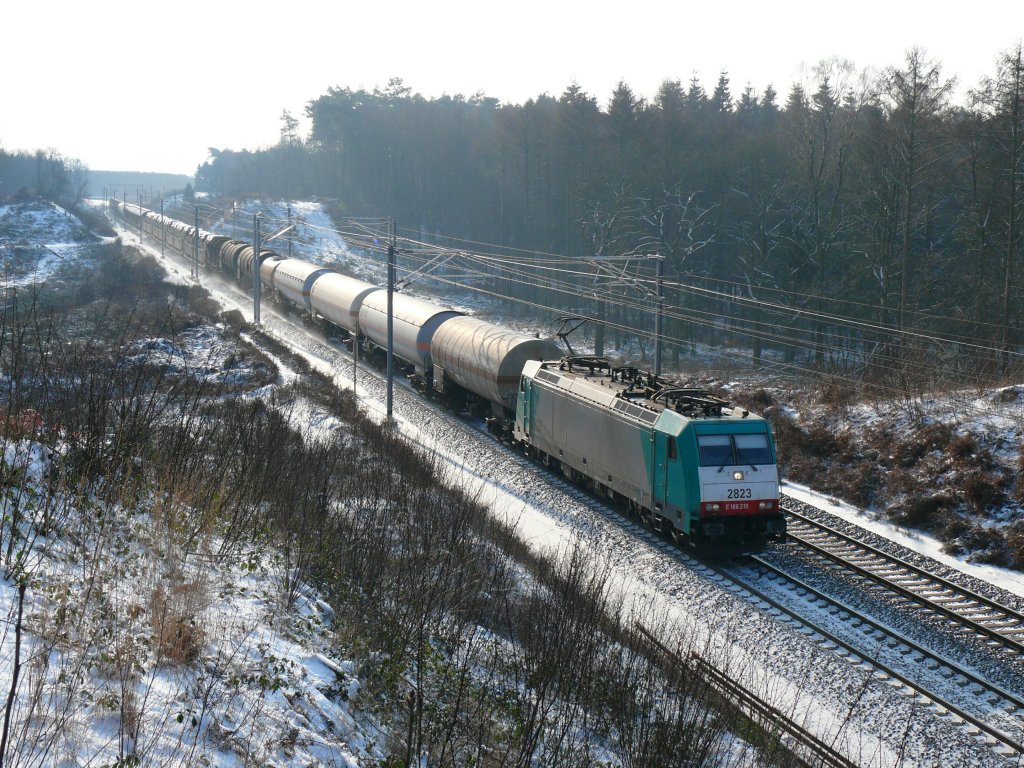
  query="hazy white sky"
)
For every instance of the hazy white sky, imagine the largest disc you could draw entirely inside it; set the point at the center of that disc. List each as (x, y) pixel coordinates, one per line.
(151, 85)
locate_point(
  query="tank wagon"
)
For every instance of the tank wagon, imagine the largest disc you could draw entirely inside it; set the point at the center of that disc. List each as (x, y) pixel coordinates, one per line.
(338, 299)
(291, 279)
(681, 458)
(178, 236)
(484, 361)
(413, 326)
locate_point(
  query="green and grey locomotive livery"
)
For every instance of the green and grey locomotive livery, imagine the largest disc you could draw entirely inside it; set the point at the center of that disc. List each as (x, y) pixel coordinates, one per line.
(683, 459)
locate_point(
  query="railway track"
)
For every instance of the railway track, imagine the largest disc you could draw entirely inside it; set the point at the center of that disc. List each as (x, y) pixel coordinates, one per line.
(988, 701)
(980, 694)
(981, 616)
(806, 748)
(992, 699)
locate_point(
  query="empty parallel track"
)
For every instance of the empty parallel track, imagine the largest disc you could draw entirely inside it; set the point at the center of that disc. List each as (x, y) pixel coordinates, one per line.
(998, 624)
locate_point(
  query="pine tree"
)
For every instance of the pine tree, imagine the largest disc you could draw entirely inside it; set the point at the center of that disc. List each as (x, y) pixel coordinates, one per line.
(721, 98)
(696, 97)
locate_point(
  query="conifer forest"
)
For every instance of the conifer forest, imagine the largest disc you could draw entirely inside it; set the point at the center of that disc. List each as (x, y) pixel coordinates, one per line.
(867, 224)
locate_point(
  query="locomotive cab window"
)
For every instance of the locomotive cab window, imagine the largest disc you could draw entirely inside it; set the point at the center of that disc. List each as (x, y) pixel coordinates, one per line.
(753, 449)
(672, 451)
(522, 384)
(715, 450)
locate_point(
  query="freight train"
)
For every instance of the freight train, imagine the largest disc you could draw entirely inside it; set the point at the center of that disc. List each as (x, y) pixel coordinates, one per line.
(684, 461)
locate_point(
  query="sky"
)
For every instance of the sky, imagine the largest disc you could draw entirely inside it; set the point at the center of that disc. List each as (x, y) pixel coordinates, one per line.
(149, 86)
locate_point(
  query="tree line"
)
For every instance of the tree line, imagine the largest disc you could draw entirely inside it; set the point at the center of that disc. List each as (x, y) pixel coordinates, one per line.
(856, 222)
(46, 173)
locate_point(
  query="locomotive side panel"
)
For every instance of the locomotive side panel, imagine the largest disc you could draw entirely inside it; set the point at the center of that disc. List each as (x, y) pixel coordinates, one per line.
(587, 437)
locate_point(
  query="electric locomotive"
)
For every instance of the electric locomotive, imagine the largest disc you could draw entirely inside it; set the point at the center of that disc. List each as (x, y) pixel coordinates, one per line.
(679, 457)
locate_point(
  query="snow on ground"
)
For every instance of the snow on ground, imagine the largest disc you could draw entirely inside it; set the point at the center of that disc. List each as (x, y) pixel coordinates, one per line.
(35, 238)
(268, 686)
(97, 678)
(773, 658)
(996, 416)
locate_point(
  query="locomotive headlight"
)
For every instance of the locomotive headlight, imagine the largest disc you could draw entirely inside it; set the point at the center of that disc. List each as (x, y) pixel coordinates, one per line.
(737, 475)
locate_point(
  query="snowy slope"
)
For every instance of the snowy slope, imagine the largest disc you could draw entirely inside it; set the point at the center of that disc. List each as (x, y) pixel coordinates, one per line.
(35, 237)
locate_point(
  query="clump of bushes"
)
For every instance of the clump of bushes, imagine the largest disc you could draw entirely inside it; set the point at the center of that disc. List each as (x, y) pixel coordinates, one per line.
(758, 401)
(927, 512)
(929, 477)
(177, 635)
(198, 299)
(94, 219)
(933, 437)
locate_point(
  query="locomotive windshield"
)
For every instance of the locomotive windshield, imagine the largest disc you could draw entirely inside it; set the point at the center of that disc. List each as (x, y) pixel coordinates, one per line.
(752, 449)
(731, 450)
(715, 450)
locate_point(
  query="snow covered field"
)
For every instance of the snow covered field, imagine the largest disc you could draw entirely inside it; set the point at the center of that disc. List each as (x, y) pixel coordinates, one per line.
(36, 236)
(271, 690)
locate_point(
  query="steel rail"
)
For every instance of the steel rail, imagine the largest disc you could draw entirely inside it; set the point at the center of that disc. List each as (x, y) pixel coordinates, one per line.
(756, 709)
(962, 602)
(758, 596)
(1008, 696)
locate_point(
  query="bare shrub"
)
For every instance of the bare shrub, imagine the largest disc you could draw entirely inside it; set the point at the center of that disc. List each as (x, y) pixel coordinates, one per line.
(176, 634)
(962, 447)
(984, 545)
(1018, 487)
(852, 484)
(234, 322)
(982, 490)
(758, 401)
(923, 511)
(835, 394)
(199, 301)
(1015, 544)
(94, 220)
(933, 437)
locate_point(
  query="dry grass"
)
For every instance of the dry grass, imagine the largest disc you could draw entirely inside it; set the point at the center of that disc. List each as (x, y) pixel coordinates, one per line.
(173, 616)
